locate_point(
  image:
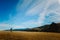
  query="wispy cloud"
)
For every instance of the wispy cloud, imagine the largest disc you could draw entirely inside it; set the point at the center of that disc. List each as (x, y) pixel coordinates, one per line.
(45, 8)
(59, 1)
(4, 26)
(27, 24)
(47, 11)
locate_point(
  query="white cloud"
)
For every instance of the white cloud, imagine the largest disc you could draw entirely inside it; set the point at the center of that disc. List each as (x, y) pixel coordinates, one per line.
(4, 25)
(24, 5)
(27, 24)
(36, 9)
(30, 23)
(42, 9)
(18, 26)
(59, 1)
(45, 11)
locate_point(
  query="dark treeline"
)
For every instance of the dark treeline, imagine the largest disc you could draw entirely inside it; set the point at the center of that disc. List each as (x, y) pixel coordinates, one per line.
(53, 27)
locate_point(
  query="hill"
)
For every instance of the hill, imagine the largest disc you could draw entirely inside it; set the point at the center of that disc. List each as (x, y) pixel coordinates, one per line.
(53, 27)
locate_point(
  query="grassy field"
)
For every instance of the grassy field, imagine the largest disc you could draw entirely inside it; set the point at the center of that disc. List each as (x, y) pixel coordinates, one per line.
(16, 35)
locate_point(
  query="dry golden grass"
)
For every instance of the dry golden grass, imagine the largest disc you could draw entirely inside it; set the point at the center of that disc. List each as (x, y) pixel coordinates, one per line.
(16, 35)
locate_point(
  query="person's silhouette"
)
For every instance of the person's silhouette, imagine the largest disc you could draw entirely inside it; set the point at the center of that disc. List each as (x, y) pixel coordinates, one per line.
(10, 29)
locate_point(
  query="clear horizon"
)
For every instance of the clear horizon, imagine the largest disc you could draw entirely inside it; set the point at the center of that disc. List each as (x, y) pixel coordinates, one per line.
(28, 13)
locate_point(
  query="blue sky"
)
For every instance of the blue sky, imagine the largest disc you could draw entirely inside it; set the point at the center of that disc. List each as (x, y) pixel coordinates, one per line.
(28, 13)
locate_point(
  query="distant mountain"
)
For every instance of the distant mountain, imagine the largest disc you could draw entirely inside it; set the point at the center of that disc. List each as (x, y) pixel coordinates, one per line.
(53, 27)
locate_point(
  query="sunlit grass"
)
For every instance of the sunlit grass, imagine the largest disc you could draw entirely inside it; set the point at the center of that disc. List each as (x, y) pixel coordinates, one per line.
(17, 35)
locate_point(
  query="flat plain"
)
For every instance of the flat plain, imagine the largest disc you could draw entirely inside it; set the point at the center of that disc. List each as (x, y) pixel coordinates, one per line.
(21, 35)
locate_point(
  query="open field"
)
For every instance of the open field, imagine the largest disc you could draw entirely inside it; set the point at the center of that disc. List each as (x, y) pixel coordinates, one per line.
(16, 35)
